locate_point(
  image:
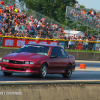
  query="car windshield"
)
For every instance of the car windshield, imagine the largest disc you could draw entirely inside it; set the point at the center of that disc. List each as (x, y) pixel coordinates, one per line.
(43, 50)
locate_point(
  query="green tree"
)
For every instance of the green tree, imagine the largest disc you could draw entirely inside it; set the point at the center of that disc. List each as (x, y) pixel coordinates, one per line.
(82, 6)
(54, 9)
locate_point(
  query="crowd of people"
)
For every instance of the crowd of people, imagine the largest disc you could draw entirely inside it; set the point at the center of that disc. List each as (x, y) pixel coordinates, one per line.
(91, 17)
(83, 43)
(15, 23)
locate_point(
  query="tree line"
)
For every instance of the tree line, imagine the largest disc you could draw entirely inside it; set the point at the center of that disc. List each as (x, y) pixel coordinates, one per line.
(54, 9)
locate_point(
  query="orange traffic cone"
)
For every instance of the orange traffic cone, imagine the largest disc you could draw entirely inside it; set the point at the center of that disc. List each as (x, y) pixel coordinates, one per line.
(83, 66)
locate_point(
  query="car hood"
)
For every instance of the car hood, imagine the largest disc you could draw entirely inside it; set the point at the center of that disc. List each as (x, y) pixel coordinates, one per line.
(24, 56)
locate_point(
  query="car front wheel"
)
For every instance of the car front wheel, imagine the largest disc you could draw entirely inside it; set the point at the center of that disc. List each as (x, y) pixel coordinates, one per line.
(7, 73)
(68, 71)
(43, 71)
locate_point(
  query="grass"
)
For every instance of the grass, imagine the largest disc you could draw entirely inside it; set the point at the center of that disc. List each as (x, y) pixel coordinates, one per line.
(83, 51)
(65, 50)
(8, 47)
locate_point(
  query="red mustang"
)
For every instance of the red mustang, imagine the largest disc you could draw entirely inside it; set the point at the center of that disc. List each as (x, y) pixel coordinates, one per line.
(39, 59)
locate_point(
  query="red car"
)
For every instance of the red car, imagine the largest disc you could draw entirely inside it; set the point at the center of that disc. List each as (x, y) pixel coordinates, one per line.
(39, 59)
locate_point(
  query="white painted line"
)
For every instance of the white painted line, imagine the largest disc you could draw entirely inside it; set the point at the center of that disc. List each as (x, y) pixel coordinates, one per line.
(84, 61)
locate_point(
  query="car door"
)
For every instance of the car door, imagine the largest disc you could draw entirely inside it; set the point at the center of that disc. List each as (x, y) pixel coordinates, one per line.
(55, 62)
(65, 59)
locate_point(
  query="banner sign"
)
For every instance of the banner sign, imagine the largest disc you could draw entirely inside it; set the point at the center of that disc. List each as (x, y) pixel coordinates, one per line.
(15, 42)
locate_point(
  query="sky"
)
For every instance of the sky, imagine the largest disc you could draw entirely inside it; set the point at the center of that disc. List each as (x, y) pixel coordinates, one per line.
(95, 4)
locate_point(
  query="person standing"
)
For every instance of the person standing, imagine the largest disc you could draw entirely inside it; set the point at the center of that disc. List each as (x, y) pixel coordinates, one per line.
(77, 6)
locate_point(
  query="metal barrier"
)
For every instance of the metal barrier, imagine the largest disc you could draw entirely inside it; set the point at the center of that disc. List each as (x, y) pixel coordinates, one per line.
(75, 15)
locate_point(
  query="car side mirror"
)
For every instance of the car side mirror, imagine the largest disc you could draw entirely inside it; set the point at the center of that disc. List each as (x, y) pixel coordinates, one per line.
(53, 56)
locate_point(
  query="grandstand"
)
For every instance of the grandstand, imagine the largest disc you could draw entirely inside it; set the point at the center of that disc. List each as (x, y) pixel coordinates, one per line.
(38, 16)
(83, 18)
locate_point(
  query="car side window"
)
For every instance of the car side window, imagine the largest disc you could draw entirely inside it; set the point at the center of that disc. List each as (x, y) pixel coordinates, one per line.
(64, 54)
(56, 52)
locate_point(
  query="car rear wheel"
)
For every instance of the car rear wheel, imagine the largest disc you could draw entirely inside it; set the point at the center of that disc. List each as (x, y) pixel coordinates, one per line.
(68, 71)
(7, 73)
(43, 71)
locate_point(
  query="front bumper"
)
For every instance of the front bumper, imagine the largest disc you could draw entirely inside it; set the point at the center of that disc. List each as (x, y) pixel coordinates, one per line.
(19, 68)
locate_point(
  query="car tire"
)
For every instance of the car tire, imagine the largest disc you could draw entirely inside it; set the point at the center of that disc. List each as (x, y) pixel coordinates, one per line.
(43, 71)
(68, 71)
(7, 73)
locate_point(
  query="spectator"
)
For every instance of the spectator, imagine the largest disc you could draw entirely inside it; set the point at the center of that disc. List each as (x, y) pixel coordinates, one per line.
(77, 6)
(2, 3)
(1, 11)
(16, 28)
(0, 34)
(32, 30)
(85, 33)
(70, 43)
(85, 43)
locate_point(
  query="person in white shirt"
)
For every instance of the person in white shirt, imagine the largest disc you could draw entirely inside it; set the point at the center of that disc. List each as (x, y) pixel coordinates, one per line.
(97, 46)
(77, 6)
(17, 28)
(70, 43)
(85, 44)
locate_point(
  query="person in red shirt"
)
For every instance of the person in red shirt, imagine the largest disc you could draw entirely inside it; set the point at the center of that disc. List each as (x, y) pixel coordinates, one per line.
(2, 2)
(1, 11)
(85, 33)
(0, 34)
(10, 7)
(62, 31)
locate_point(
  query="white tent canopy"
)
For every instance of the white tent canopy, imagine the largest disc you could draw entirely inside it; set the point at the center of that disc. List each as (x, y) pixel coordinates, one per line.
(72, 33)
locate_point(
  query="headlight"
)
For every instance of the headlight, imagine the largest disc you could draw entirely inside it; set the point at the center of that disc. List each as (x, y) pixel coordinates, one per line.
(5, 60)
(31, 62)
(28, 62)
